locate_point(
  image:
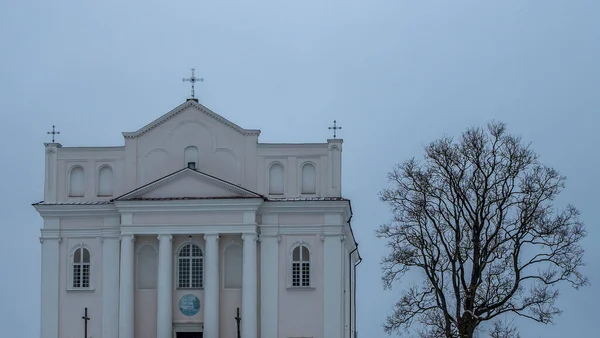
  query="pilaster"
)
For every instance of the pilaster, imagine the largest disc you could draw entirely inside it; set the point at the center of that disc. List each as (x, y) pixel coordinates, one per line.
(333, 285)
(249, 286)
(164, 315)
(49, 291)
(50, 190)
(291, 175)
(211, 287)
(335, 167)
(110, 278)
(269, 286)
(126, 291)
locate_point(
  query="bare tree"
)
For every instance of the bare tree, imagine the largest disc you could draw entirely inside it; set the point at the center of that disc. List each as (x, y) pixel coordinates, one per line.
(476, 217)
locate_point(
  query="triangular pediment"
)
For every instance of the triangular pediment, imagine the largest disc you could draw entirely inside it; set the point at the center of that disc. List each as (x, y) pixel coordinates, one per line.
(190, 104)
(188, 184)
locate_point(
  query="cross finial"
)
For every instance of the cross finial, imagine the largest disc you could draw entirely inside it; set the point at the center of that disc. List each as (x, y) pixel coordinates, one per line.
(193, 79)
(53, 132)
(335, 128)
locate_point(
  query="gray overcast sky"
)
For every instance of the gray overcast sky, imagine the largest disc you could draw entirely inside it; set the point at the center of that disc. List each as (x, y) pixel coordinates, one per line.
(395, 74)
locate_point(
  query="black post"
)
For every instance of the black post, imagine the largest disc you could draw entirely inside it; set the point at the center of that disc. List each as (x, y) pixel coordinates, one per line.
(237, 319)
(85, 320)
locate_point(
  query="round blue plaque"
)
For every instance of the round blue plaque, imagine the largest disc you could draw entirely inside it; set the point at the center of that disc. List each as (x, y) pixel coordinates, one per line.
(189, 305)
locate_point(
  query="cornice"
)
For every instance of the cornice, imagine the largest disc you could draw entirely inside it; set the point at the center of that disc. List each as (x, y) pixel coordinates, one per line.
(149, 206)
(292, 145)
(301, 230)
(188, 229)
(317, 206)
(76, 210)
(92, 148)
(82, 233)
(166, 117)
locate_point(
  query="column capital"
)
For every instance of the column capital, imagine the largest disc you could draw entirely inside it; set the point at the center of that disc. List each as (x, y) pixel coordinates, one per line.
(168, 237)
(129, 237)
(250, 236)
(214, 236)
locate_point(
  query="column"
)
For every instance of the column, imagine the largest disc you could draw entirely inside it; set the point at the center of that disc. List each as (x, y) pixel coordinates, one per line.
(269, 285)
(110, 286)
(211, 287)
(249, 287)
(333, 286)
(164, 294)
(126, 292)
(49, 291)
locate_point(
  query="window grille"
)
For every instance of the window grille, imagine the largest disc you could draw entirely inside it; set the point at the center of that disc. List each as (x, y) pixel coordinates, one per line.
(81, 268)
(190, 266)
(300, 266)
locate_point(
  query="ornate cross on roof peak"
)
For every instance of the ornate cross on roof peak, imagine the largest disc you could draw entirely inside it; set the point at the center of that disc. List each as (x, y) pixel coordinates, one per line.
(335, 128)
(193, 79)
(53, 132)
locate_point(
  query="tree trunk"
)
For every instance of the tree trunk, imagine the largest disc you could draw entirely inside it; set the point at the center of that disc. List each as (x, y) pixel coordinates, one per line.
(466, 329)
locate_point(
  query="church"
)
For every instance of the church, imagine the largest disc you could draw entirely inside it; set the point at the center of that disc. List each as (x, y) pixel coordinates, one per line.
(195, 229)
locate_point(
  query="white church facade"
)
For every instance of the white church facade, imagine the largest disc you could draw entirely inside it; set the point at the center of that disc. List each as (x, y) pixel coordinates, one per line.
(195, 229)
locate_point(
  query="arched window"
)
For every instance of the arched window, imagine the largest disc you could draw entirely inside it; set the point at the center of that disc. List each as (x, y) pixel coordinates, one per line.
(76, 182)
(190, 155)
(233, 267)
(105, 181)
(309, 179)
(147, 267)
(276, 179)
(81, 268)
(300, 266)
(190, 266)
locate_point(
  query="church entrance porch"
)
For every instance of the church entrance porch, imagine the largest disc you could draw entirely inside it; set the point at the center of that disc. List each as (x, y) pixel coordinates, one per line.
(189, 335)
(188, 330)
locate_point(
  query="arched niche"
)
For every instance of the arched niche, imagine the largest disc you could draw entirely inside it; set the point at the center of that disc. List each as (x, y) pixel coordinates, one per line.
(276, 179)
(232, 266)
(309, 179)
(76, 181)
(147, 267)
(105, 181)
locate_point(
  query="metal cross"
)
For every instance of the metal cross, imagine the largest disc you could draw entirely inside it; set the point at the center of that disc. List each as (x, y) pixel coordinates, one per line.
(193, 80)
(238, 319)
(335, 128)
(85, 318)
(53, 132)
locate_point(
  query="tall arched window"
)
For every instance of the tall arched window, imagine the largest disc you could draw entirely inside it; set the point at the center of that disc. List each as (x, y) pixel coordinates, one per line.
(105, 181)
(309, 179)
(81, 268)
(190, 155)
(76, 182)
(190, 266)
(232, 278)
(276, 179)
(300, 266)
(147, 267)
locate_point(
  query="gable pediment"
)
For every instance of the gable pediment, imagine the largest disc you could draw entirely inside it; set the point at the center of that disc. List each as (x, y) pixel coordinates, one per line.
(191, 104)
(188, 184)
